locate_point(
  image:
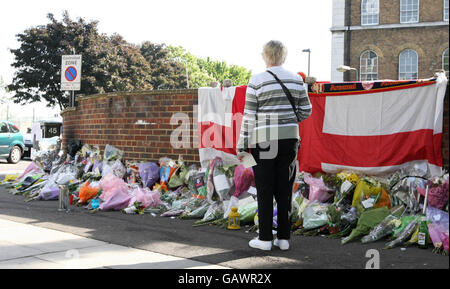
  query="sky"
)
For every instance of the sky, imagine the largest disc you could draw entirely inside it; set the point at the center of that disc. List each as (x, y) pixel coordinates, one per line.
(232, 31)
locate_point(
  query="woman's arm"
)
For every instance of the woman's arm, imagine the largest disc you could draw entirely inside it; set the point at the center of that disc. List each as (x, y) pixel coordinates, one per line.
(305, 104)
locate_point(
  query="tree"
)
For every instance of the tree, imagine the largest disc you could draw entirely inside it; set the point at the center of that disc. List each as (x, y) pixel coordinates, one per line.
(198, 77)
(220, 71)
(202, 71)
(165, 73)
(109, 63)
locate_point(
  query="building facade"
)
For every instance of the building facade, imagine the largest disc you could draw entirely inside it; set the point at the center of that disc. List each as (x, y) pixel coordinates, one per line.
(389, 39)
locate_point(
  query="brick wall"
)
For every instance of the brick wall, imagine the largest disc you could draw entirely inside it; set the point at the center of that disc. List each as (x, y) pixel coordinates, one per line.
(389, 12)
(429, 43)
(111, 119)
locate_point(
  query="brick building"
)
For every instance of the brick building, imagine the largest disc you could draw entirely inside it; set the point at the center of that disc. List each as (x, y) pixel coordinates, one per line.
(389, 39)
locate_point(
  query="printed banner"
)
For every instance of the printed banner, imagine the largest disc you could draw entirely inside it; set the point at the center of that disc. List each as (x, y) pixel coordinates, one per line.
(369, 127)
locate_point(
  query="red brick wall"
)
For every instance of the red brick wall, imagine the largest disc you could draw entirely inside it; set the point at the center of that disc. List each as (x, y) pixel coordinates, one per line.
(110, 119)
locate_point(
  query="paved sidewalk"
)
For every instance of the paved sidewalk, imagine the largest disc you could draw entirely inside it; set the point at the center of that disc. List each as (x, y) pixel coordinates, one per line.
(11, 169)
(24, 246)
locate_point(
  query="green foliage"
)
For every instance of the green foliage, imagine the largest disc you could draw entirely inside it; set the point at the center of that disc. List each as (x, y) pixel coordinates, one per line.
(165, 72)
(109, 63)
(197, 76)
(202, 71)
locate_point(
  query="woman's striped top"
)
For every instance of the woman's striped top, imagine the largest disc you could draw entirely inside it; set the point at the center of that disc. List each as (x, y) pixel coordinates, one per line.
(268, 114)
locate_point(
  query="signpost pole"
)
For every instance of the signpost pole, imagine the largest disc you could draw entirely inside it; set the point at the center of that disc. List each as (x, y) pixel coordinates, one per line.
(73, 91)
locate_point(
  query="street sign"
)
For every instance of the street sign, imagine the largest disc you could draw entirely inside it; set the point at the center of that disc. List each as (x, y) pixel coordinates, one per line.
(71, 72)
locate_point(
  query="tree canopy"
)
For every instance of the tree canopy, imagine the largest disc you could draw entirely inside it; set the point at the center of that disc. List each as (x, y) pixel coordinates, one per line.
(109, 63)
(204, 70)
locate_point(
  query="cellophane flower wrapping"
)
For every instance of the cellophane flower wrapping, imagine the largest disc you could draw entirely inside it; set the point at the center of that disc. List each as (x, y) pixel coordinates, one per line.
(116, 202)
(87, 192)
(368, 220)
(149, 173)
(315, 215)
(32, 168)
(243, 180)
(248, 212)
(116, 168)
(318, 191)
(112, 153)
(112, 185)
(228, 204)
(383, 229)
(98, 164)
(214, 212)
(437, 216)
(435, 231)
(49, 193)
(146, 197)
(178, 177)
(440, 219)
(437, 192)
(223, 184)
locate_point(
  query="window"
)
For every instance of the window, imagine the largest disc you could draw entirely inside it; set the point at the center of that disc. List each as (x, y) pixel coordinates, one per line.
(368, 65)
(445, 61)
(13, 128)
(409, 11)
(445, 10)
(408, 62)
(369, 12)
(3, 127)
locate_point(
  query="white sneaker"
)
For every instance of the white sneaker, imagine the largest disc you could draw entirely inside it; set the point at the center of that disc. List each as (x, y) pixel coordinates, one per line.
(262, 245)
(282, 244)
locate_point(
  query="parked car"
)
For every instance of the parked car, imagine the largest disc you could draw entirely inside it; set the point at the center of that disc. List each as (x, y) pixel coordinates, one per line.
(11, 142)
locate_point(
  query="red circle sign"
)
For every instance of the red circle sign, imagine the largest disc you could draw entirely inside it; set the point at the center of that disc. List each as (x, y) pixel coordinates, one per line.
(71, 73)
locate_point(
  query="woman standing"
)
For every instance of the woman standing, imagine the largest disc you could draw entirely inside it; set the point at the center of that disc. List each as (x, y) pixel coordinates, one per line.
(270, 130)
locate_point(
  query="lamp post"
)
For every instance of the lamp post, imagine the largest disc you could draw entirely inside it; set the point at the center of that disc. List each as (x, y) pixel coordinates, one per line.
(344, 68)
(309, 58)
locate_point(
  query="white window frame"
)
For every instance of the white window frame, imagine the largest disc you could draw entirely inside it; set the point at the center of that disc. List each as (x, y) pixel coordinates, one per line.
(364, 2)
(416, 65)
(443, 62)
(363, 75)
(445, 10)
(418, 12)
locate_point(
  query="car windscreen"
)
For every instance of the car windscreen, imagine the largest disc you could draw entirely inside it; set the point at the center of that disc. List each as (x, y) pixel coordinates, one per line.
(13, 128)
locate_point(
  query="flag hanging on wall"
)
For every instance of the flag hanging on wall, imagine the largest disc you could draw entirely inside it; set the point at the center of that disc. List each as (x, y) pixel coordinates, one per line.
(374, 127)
(368, 127)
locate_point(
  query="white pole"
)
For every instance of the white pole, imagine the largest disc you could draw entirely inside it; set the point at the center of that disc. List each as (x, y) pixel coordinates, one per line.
(426, 201)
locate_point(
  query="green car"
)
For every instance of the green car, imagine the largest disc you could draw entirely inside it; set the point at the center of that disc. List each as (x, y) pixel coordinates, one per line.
(11, 142)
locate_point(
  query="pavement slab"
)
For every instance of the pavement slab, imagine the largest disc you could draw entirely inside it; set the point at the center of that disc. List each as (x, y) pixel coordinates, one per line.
(24, 246)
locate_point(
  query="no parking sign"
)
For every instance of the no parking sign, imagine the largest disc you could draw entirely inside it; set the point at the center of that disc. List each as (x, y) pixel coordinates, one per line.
(71, 72)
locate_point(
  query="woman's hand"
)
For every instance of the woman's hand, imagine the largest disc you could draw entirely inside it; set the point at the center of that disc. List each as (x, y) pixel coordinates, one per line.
(240, 154)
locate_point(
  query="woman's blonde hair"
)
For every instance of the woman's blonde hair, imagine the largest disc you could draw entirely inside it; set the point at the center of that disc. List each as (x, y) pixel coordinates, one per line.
(274, 53)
